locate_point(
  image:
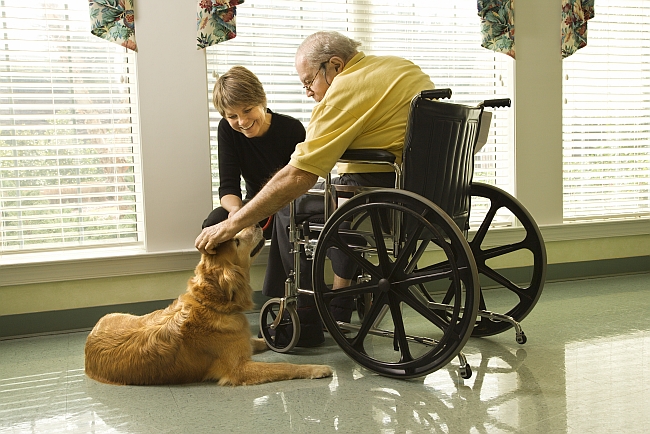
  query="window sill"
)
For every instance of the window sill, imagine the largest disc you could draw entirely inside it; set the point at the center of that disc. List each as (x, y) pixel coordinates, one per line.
(91, 264)
(573, 231)
(60, 266)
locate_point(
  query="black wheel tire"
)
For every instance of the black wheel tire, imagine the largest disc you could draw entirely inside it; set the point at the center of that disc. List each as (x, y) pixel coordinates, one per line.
(285, 336)
(523, 296)
(417, 338)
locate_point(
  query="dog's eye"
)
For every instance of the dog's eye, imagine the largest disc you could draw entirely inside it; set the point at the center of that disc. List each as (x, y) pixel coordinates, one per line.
(237, 242)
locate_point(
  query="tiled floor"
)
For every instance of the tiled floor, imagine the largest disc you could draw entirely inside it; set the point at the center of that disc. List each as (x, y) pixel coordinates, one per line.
(585, 369)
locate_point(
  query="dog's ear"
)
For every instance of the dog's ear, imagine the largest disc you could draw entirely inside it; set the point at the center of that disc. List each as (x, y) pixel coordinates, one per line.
(229, 280)
(233, 284)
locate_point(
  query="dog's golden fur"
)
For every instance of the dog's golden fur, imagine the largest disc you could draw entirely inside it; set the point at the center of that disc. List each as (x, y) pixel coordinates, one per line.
(202, 336)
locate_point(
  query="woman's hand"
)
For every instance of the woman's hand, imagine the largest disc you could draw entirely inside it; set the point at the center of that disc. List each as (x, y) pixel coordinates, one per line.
(233, 211)
(231, 203)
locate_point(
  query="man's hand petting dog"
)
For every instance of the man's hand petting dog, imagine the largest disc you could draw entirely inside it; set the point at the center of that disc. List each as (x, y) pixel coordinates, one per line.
(212, 236)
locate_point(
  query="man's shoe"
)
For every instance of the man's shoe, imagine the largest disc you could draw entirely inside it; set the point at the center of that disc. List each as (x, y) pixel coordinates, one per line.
(311, 327)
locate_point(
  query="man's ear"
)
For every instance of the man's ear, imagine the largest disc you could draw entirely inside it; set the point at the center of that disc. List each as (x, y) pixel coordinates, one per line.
(337, 63)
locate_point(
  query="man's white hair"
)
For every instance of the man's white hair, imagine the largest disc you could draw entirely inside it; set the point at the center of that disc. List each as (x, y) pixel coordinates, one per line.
(322, 46)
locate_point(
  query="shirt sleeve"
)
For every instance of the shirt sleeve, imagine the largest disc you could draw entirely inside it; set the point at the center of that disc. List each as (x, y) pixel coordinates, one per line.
(229, 164)
(329, 134)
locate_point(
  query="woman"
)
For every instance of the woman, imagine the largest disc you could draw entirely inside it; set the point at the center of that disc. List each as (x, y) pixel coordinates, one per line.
(253, 141)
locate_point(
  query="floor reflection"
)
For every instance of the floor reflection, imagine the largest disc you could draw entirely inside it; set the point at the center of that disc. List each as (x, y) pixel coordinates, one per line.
(354, 399)
(585, 369)
(606, 375)
(440, 402)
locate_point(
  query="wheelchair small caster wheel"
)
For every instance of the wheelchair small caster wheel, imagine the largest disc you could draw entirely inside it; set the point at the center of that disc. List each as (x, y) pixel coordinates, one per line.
(465, 372)
(521, 338)
(284, 337)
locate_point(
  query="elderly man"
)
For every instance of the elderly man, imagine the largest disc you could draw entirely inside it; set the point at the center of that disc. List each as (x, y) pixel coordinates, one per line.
(363, 103)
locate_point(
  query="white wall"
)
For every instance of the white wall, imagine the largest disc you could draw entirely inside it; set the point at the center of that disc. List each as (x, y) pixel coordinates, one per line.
(172, 84)
(538, 110)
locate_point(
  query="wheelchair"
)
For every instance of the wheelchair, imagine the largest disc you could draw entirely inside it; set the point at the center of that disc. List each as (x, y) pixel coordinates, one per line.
(421, 270)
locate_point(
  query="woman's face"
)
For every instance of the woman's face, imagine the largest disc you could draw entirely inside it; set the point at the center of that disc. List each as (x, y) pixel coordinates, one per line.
(249, 120)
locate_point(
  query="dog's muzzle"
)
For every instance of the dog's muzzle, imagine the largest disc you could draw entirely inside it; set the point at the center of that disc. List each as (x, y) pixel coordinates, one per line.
(257, 248)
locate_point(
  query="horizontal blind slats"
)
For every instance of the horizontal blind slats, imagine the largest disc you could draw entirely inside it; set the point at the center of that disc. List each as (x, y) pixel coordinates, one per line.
(606, 116)
(443, 38)
(69, 144)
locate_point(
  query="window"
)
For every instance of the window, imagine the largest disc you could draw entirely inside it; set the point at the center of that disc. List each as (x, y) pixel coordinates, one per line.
(606, 125)
(443, 38)
(69, 146)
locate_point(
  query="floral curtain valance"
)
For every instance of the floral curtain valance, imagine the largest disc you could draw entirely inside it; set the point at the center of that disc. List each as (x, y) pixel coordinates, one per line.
(215, 21)
(575, 14)
(498, 25)
(114, 21)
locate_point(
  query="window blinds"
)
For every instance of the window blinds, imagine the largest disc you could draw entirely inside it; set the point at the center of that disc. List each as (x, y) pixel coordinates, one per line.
(69, 146)
(606, 116)
(443, 38)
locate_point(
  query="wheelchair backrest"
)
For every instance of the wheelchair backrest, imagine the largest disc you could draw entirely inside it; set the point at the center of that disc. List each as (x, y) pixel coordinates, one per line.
(438, 161)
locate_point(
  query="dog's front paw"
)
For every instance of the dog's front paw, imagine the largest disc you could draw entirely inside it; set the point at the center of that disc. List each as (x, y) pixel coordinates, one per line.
(259, 345)
(320, 371)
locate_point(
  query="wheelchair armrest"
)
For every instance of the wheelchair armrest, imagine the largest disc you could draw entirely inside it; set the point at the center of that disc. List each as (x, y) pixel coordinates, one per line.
(370, 155)
(436, 94)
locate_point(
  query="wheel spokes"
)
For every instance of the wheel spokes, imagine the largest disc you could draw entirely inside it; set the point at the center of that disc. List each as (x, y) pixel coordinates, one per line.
(428, 314)
(382, 252)
(504, 250)
(368, 321)
(485, 224)
(406, 252)
(504, 281)
(424, 277)
(362, 262)
(352, 290)
(399, 338)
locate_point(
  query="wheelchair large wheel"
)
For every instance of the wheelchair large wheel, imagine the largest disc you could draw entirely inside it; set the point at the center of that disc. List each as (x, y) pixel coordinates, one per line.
(407, 331)
(510, 293)
(285, 336)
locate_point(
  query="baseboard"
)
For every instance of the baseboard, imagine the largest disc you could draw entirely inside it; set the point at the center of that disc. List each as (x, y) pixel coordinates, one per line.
(579, 270)
(61, 321)
(68, 320)
(598, 268)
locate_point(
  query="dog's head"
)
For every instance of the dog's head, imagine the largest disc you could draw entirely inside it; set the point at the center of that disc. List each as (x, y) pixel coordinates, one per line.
(224, 277)
(240, 250)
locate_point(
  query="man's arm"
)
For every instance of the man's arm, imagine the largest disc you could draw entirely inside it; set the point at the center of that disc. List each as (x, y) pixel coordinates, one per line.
(286, 185)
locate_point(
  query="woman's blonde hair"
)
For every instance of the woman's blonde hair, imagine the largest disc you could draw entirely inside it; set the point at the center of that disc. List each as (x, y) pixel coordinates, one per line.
(236, 88)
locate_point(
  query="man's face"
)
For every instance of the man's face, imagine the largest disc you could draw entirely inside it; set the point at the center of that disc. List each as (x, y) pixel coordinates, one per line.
(314, 80)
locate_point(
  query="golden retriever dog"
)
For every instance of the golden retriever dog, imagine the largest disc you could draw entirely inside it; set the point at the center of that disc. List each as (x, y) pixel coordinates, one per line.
(202, 336)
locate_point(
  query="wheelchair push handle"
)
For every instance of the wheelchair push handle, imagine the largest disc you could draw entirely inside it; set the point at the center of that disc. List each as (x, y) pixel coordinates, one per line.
(436, 94)
(503, 102)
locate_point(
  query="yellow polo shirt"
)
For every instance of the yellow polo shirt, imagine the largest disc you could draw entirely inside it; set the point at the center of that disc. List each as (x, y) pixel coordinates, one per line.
(366, 107)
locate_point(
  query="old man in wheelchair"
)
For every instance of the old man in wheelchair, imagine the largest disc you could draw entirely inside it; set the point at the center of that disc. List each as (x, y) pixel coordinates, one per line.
(398, 250)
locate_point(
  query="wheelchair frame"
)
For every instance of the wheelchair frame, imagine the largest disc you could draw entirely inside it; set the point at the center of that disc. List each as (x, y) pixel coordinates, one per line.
(406, 234)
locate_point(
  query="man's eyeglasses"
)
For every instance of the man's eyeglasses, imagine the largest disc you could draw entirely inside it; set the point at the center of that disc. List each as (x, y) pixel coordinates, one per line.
(307, 85)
